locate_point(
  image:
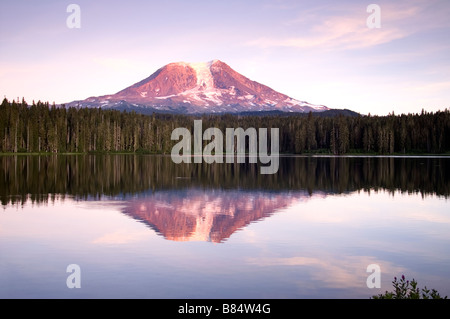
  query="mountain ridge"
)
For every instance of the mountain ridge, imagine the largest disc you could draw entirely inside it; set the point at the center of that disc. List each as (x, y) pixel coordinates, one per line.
(198, 88)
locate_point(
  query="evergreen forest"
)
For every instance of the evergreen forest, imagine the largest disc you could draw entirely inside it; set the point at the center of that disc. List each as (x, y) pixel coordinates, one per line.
(44, 128)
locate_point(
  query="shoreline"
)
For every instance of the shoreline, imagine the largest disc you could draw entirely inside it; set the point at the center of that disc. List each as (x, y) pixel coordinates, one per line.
(396, 155)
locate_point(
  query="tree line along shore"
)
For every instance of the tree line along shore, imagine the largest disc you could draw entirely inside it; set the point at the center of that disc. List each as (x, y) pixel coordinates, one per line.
(44, 128)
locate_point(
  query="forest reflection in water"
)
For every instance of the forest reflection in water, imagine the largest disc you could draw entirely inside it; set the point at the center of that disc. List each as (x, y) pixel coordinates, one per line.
(39, 178)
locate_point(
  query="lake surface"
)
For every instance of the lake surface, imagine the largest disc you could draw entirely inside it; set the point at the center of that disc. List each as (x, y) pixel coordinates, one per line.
(144, 227)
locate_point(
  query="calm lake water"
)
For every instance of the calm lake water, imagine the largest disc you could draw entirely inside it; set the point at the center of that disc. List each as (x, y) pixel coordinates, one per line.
(144, 227)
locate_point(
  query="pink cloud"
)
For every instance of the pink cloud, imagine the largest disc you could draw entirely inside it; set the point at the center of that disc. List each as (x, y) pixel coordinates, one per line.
(347, 29)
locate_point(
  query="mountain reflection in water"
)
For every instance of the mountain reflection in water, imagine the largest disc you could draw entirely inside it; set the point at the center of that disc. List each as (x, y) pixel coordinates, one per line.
(197, 215)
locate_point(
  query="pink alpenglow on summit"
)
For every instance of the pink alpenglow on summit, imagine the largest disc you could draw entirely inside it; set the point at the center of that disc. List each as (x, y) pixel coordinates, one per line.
(211, 87)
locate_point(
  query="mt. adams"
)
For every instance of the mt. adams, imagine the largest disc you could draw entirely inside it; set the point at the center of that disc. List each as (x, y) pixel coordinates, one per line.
(211, 87)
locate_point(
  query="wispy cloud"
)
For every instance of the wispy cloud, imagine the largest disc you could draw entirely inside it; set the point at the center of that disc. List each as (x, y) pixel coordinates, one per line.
(342, 36)
(346, 28)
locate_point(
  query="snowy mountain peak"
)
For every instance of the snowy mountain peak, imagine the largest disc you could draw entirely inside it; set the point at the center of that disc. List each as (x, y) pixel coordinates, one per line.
(202, 87)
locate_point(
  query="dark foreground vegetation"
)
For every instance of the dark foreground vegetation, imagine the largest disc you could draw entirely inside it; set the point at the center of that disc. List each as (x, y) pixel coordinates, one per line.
(44, 128)
(405, 289)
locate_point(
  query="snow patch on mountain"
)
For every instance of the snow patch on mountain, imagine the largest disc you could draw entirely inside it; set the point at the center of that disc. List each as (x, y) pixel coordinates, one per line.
(204, 77)
(204, 91)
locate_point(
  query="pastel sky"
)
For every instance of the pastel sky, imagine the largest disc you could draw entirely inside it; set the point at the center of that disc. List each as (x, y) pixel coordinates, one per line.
(321, 52)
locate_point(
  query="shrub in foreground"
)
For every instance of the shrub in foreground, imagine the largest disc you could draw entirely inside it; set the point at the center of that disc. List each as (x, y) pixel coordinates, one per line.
(405, 289)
